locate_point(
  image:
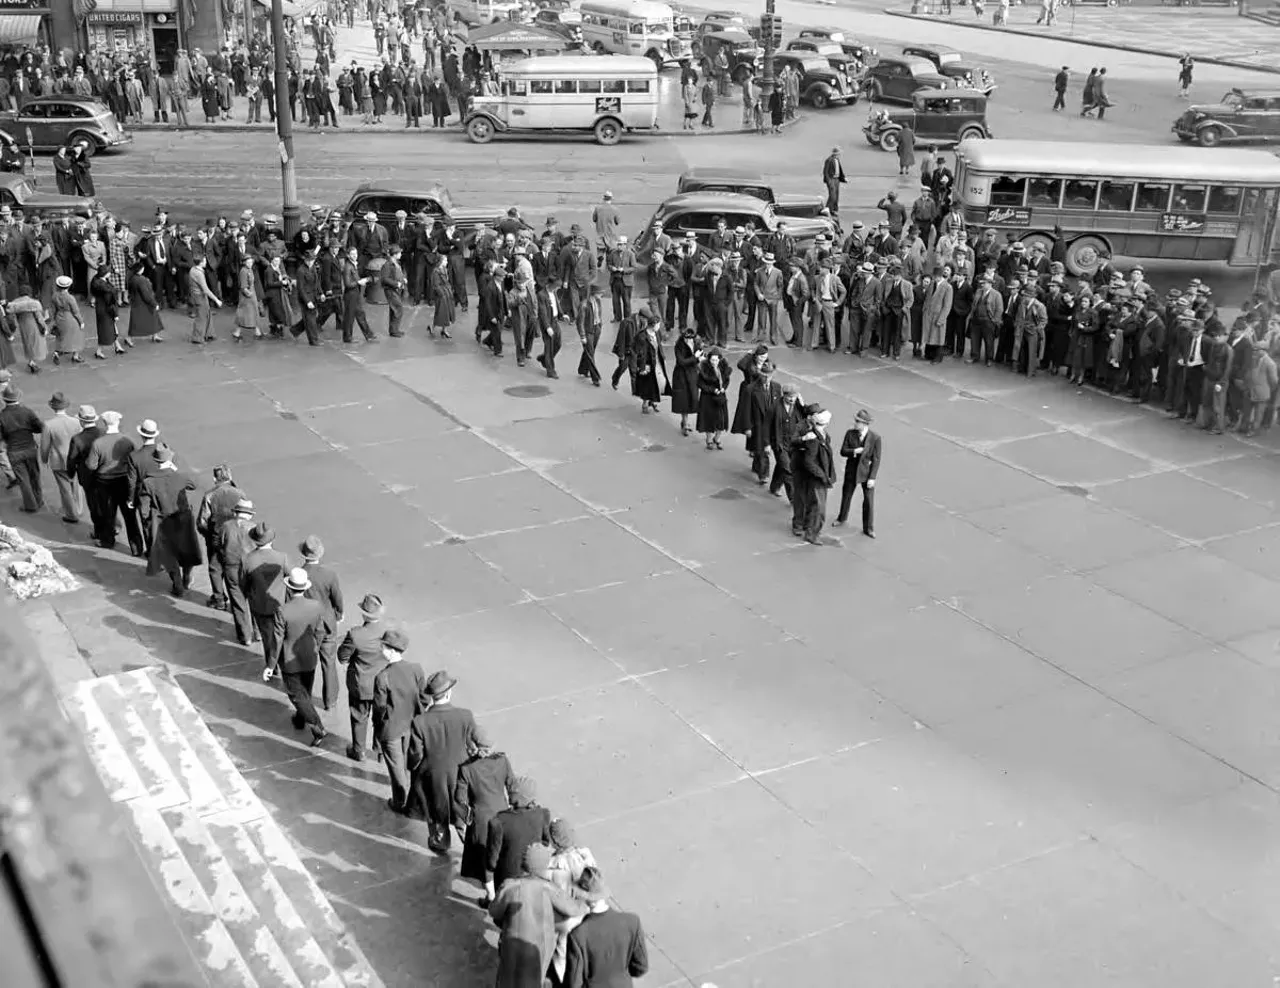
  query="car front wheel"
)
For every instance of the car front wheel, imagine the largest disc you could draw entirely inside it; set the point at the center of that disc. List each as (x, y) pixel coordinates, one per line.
(480, 130)
(820, 100)
(83, 136)
(1210, 137)
(890, 139)
(972, 134)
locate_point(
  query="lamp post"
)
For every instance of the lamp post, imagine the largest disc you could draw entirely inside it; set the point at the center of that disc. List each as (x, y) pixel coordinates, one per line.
(292, 209)
(766, 80)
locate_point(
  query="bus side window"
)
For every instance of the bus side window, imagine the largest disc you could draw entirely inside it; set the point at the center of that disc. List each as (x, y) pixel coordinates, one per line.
(1007, 191)
(1043, 192)
(1079, 194)
(1152, 198)
(1225, 199)
(1189, 198)
(540, 87)
(1116, 196)
(566, 86)
(588, 85)
(637, 85)
(517, 87)
(615, 86)
(635, 28)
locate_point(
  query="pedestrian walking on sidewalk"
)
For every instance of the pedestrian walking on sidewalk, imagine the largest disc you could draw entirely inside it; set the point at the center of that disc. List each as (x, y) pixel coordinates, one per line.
(1186, 65)
(1060, 88)
(302, 624)
(1086, 95)
(165, 500)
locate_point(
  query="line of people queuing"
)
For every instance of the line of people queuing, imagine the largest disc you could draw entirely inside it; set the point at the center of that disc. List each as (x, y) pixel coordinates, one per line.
(543, 889)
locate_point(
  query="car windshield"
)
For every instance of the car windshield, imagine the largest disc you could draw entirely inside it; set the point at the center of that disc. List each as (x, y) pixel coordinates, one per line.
(1233, 99)
(747, 46)
(918, 66)
(948, 57)
(811, 63)
(828, 48)
(836, 36)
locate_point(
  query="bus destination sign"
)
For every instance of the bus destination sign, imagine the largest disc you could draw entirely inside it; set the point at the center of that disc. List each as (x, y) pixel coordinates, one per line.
(1181, 223)
(1009, 215)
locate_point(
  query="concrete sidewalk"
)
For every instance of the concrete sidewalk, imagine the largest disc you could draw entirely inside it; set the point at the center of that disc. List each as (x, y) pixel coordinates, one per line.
(1216, 36)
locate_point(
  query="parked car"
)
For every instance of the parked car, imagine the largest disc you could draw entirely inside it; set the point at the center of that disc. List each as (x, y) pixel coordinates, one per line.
(953, 65)
(19, 192)
(56, 121)
(832, 52)
(899, 79)
(848, 43)
(821, 86)
(750, 182)
(566, 23)
(696, 212)
(745, 57)
(937, 116)
(1243, 116)
(719, 20)
(434, 200)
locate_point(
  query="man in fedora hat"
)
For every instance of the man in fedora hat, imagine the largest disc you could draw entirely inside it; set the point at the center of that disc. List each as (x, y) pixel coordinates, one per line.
(164, 499)
(362, 653)
(861, 452)
(301, 622)
(141, 465)
(216, 508)
(231, 545)
(55, 446)
(608, 946)
(19, 427)
(399, 695)
(818, 467)
(108, 459)
(262, 580)
(325, 589)
(441, 741)
(78, 460)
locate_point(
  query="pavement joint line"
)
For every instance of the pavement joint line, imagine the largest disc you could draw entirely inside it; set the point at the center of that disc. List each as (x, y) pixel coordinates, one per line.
(1084, 837)
(464, 539)
(833, 753)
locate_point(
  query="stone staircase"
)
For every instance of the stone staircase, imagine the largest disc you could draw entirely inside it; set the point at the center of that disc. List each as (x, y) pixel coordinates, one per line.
(250, 913)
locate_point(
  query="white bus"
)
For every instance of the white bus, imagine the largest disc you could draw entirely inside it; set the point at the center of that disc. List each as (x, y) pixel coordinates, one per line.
(604, 96)
(633, 27)
(477, 12)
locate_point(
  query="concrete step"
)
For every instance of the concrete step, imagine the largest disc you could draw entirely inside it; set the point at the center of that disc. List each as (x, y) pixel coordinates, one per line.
(251, 914)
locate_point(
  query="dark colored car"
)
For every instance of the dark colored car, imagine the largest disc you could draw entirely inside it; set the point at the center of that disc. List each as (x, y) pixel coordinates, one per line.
(835, 55)
(937, 116)
(434, 200)
(1243, 116)
(566, 23)
(850, 45)
(899, 79)
(696, 212)
(19, 192)
(953, 65)
(749, 182)
(821, 86)
(745, 57)
(56, 121)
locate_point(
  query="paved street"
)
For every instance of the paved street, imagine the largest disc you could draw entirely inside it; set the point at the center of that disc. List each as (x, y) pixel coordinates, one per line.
(1024, 738)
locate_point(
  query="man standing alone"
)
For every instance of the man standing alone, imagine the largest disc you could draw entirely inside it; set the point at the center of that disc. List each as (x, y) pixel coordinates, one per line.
(1060, 89)
(861, 450)
(833, 178)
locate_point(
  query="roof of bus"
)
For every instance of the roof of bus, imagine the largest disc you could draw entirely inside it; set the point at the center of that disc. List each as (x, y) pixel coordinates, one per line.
(1178, 164)
(572, 66)
(647, 9)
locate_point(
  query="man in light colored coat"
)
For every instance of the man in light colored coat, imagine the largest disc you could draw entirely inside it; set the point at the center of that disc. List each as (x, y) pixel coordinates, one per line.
(55, 443)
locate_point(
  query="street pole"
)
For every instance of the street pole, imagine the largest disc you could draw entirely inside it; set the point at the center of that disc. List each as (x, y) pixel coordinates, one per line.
(248, 22)
(766, 82)
(292, 211)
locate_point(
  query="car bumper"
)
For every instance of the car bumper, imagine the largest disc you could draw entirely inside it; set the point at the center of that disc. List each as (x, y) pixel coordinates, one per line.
(120, 140)
(1182, 131)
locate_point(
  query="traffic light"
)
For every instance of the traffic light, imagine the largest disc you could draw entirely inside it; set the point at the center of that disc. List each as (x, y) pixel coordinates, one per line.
(771, 29)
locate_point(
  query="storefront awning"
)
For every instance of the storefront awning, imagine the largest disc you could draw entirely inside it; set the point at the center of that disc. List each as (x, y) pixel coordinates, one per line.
(509, 36)
(290, 8)
(19, 29)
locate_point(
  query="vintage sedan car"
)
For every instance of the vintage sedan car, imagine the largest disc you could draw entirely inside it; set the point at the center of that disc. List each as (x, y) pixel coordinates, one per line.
(832, 52)
(937, 116)
(1243, 117)
(18, 192)
(56, 121)
(696, 212)
(720, 20)
(850, 45)
(821, 86)
(953, 65)
(745, 57)
(566, 23)
(899, 79)
(750, 182)
(434, 200)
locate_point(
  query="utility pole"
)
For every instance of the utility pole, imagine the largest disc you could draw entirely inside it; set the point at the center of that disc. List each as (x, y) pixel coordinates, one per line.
(248, 22)
(292, 210)
(767, 36)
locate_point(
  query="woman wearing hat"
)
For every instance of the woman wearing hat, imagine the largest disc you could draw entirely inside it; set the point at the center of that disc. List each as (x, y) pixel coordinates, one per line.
(684, 379)
(82, 169)
(68, 325)
(106, 312)
(144, 308)
(118, 244)
(31, 329)
(749, 367)
(713, 402)
(646, 359)
(247, 305)
(479, 795)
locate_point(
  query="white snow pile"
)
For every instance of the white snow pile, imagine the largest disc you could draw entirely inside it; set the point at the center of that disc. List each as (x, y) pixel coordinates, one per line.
(30, 570)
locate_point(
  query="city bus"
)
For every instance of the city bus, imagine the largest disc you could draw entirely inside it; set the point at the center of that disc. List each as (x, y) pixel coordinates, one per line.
(633, 27)
(607, 97)
(1175, 203)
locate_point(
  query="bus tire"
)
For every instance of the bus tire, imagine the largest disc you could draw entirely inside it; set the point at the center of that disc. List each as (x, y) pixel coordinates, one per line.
(890, 139)
(1084, 255)
(598, 48)
(608, 131)
(480, 130)
(1209, 137)
(1043, 239)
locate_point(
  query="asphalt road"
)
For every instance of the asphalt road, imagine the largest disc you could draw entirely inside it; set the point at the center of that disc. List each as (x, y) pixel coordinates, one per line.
(1025, 737)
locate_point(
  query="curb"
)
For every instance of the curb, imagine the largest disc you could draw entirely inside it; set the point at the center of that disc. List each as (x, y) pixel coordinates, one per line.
(453, 130)
(1114, 46)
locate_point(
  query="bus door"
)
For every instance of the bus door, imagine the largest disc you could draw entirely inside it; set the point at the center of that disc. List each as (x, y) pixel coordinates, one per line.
(1257, 227)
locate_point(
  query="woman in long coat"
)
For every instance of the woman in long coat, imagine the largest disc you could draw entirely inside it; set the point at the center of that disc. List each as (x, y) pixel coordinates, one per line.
(144, 310)
(82, 170)
(93, 256)
(749, 367)
(479, 796)
(48, 271)
(684, 379)
(68, 324)
(119, 255)
(274, 282)
(906, 150)
(106, 310)
(713, 403)
(446, 313)
(246, 300)
(32, 330)
(646, 359)
(209, 97)
(933, 329)
(165, 498)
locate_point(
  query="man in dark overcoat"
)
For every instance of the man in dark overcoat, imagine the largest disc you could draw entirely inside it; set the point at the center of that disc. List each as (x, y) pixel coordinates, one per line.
(443, 737)
(361, 652)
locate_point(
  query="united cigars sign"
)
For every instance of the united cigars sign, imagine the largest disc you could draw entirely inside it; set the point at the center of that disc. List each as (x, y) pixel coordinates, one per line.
(1009, 215)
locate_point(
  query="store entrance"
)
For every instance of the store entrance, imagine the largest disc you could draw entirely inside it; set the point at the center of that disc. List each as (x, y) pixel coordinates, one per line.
(166, 46)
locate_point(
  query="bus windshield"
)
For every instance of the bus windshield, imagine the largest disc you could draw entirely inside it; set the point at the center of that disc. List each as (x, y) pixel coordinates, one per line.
(657, 28)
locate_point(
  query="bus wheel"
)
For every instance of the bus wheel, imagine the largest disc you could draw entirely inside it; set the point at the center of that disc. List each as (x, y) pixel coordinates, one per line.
(1084, 256)
(1043, 239)
(598, 48)
(480, 130)
(608, 132)
(890, 139)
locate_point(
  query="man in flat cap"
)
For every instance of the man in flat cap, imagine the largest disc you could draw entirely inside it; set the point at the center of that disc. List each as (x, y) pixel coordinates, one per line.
(442, 738)
(400, 694)
(325, 589)
(362, 653)
(229, 546)
(526, 911)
